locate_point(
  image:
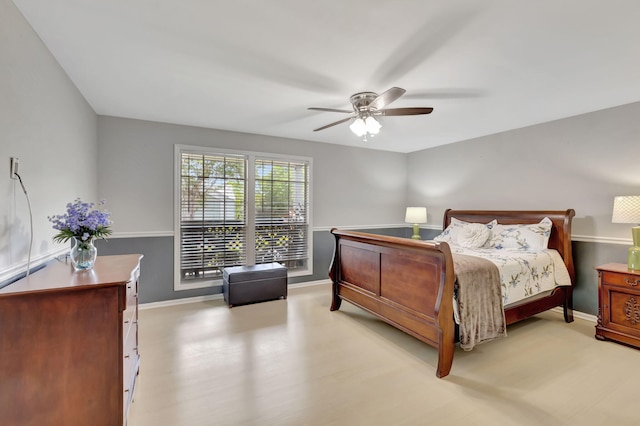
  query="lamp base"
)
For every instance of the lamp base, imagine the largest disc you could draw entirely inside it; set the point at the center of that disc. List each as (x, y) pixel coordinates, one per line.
(416, 232)
(633, 254)
(633, 258)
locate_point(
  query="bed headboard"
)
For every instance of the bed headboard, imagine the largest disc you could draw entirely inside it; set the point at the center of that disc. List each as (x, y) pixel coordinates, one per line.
(560, 238)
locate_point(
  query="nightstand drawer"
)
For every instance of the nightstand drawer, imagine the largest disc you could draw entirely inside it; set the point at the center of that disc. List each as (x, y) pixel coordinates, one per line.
(618, 304)
(628, 281)
(624, 310)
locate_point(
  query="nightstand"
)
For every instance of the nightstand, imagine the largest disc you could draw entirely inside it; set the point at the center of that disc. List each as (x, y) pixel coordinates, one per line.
(618, 304)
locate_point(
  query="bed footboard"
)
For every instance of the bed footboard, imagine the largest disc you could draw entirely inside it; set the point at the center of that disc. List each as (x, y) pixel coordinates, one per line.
(407, 283)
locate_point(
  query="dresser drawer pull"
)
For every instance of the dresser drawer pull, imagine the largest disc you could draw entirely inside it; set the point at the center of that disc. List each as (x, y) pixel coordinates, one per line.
(632, 283)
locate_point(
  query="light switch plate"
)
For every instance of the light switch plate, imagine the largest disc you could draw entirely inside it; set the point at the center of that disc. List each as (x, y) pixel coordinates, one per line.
(13, 167)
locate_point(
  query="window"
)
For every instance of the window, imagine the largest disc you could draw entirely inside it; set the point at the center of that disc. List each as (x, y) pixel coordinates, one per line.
(235, 208)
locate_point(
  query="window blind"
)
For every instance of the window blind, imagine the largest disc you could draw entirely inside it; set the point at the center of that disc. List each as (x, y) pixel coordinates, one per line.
(212, 214)
(281, 212)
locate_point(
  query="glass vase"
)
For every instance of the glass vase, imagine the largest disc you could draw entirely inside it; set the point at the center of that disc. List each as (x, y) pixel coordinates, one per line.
(83, 254)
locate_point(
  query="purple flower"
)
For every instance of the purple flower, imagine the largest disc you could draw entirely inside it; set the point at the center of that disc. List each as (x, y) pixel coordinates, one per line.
(81, 220)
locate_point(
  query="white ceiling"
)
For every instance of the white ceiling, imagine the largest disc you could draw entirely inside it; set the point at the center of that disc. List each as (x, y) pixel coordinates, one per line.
(254, 66)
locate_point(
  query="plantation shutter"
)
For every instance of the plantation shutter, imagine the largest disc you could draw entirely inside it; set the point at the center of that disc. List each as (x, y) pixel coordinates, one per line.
(281, 212)
(212, 214)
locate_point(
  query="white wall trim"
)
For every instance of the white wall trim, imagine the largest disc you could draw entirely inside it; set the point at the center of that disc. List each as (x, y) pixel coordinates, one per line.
(315, 228)
(142, 234)
(196, 299)
(310, 283)
(580, 238)
(603, 240)
(21, 268)
(352, 227)
(183, 301)
(429, 226)
(578, 314)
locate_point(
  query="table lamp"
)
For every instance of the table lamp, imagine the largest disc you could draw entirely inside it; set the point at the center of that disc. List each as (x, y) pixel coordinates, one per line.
(626, 209)
(416, 215)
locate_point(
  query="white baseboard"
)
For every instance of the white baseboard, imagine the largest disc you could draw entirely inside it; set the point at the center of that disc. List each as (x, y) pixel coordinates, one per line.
(183, 301)
(196, 299)
(578, 314)
(310, 283)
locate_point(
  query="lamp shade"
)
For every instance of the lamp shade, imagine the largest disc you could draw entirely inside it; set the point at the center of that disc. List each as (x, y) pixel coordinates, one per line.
(626, 209)
(416, 215)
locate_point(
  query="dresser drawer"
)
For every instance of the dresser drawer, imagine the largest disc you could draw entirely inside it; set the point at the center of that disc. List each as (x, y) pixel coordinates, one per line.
(128, 318)
(132, 293)
(130, 351)
(129, 315)
(130, 362)
(130, 368)
(628, 281)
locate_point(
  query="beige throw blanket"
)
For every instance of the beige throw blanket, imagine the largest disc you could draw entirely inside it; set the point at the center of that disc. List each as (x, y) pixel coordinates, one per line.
(479, 300)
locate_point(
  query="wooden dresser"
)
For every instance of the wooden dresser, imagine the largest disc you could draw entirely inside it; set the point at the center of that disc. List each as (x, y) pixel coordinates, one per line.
(618, 304)
(69, 344)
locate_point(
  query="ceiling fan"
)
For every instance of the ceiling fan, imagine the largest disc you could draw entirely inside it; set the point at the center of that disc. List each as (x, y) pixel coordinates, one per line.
(366, 106)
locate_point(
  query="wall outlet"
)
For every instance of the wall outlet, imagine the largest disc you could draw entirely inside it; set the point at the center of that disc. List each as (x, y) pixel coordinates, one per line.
(13, 167)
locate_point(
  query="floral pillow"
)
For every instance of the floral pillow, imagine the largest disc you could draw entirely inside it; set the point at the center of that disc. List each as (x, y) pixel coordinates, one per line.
(530, 237)
(451, 234)
(473, 235)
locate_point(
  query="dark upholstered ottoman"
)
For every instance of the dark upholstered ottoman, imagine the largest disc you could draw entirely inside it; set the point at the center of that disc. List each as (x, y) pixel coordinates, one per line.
(250, 284)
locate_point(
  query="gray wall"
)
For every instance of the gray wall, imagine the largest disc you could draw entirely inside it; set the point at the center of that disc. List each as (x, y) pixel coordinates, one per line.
(580, 162)
(67, 152)
(46, 123)
(587, 256)
(351, 187)
(156, 278)
(571, 163)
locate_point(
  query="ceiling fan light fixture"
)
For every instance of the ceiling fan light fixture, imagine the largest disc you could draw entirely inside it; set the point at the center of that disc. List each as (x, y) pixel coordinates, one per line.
(358, 127)
(372, 125)
(368, 126)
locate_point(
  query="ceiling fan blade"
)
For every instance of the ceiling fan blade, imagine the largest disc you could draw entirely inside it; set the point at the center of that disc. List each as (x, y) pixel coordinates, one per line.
(347, 111)
(404, 111)
(386, 98)
(334, 123)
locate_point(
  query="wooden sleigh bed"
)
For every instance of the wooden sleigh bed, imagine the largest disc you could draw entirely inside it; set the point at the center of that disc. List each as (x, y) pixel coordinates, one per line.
(410, 283)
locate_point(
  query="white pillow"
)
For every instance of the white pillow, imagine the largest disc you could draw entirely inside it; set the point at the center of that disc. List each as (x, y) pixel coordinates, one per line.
(450, 235)
(473, 235)
(529, 237)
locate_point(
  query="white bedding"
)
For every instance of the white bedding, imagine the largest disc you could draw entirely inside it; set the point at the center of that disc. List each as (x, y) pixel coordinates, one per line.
(523, 273)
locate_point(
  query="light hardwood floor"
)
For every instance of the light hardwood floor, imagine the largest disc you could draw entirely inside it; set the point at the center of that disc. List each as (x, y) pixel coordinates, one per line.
(294, 362)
